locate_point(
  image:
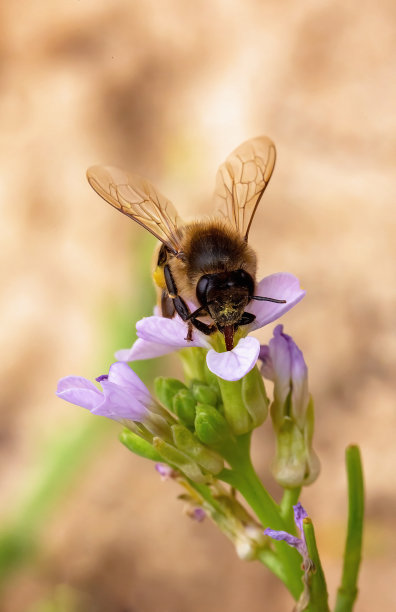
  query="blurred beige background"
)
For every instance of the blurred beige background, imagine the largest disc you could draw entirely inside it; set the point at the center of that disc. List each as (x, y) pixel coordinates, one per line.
(168, 89)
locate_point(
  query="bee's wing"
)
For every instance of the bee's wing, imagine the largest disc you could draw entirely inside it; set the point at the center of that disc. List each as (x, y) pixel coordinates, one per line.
(241, 181)
(137, 198)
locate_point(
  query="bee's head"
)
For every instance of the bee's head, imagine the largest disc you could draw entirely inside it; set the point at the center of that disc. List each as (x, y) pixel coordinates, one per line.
(225, 295)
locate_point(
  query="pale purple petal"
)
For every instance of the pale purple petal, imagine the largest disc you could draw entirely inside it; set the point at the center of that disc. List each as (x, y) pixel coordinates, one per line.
(299, 375)
(233, 365)
(141, 349)
(299, 515)
(281, 363)
(171, 332)
(284, 537)
(79, 391)
(281, 286)
(115, 402)
(120, 404)
(122, 375)
(267, 369)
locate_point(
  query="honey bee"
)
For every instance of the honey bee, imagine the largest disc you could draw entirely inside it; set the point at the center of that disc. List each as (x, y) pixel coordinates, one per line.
(208, 262)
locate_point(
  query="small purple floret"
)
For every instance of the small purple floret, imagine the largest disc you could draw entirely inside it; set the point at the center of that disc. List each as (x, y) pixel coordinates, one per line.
(198, 515)
(298, 543)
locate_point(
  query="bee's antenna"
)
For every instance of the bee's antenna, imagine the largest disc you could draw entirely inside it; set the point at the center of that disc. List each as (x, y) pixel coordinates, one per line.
(267, 299)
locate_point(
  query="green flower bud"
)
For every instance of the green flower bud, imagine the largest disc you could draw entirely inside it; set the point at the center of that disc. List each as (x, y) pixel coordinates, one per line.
(179, 460)
(235, 410)
(210, 426)
(183, 405)
(289, 463)
(189, 444)
(205, 394)
(166, 388)
(296, 463)
(137, 445)
(254, 397)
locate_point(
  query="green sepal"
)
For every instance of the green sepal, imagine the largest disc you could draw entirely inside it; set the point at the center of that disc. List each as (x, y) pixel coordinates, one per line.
(290, 462)
(189, 444)
(254, 396)
(166, 388)
(180, 460)
(210, 426)
(137, 445)
(183, 405)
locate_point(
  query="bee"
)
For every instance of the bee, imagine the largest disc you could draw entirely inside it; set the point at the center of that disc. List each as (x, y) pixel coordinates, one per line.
(207, 262)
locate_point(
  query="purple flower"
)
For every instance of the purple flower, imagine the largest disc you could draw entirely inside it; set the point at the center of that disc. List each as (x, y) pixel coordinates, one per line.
(158, 336)
(299, 543)
(284, 364)
(292, 411)
(124, 398)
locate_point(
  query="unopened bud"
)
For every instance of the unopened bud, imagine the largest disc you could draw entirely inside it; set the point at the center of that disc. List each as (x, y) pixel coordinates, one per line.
(138, 445)
(189, 444)
(183, 406)
(295, 463)
(248, 542)
(166, 388)
(255, 397)
(234, 408)
(205, 394)
(180, 460)
(210, 426)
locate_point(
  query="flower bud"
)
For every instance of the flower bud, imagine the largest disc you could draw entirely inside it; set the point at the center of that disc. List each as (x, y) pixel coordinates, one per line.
(205, 394)
(210, 426)
(292, 412)
(180, 460)
(183, 405)
(254, 397)
(166, 388)
(235, 410)
(138, 445)
(188, 443)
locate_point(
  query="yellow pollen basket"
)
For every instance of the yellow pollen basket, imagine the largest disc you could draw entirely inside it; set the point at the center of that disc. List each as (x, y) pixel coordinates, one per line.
(159, 278)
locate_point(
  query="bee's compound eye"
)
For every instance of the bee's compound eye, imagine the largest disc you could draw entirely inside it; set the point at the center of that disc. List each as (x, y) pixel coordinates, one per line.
(202, 290)
(243, 279)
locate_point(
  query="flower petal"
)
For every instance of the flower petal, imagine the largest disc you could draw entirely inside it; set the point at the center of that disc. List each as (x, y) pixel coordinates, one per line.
(299, 515)
(233, 365)
(142, 349)
(79, 391)
(281, 363)
(122, 375)
(284, 536)
(281, 286)
(120, 404)
(171, 332)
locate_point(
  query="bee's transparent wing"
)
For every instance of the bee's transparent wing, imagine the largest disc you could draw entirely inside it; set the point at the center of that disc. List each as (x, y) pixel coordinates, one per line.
(241, 181)
(137, 198)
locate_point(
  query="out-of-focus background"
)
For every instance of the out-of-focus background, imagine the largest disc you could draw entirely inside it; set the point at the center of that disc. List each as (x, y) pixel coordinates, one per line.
(167, 90)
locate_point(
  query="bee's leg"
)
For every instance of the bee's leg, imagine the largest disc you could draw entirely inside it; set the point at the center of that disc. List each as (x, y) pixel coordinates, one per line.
(203, 327)
(182, 309)
(247, 318)
(179, 305)
(167, 305)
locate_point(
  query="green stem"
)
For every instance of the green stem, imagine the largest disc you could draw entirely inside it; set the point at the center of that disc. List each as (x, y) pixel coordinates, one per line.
(243, 477)
(318, 596)
(347, 592)
(289, 499)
